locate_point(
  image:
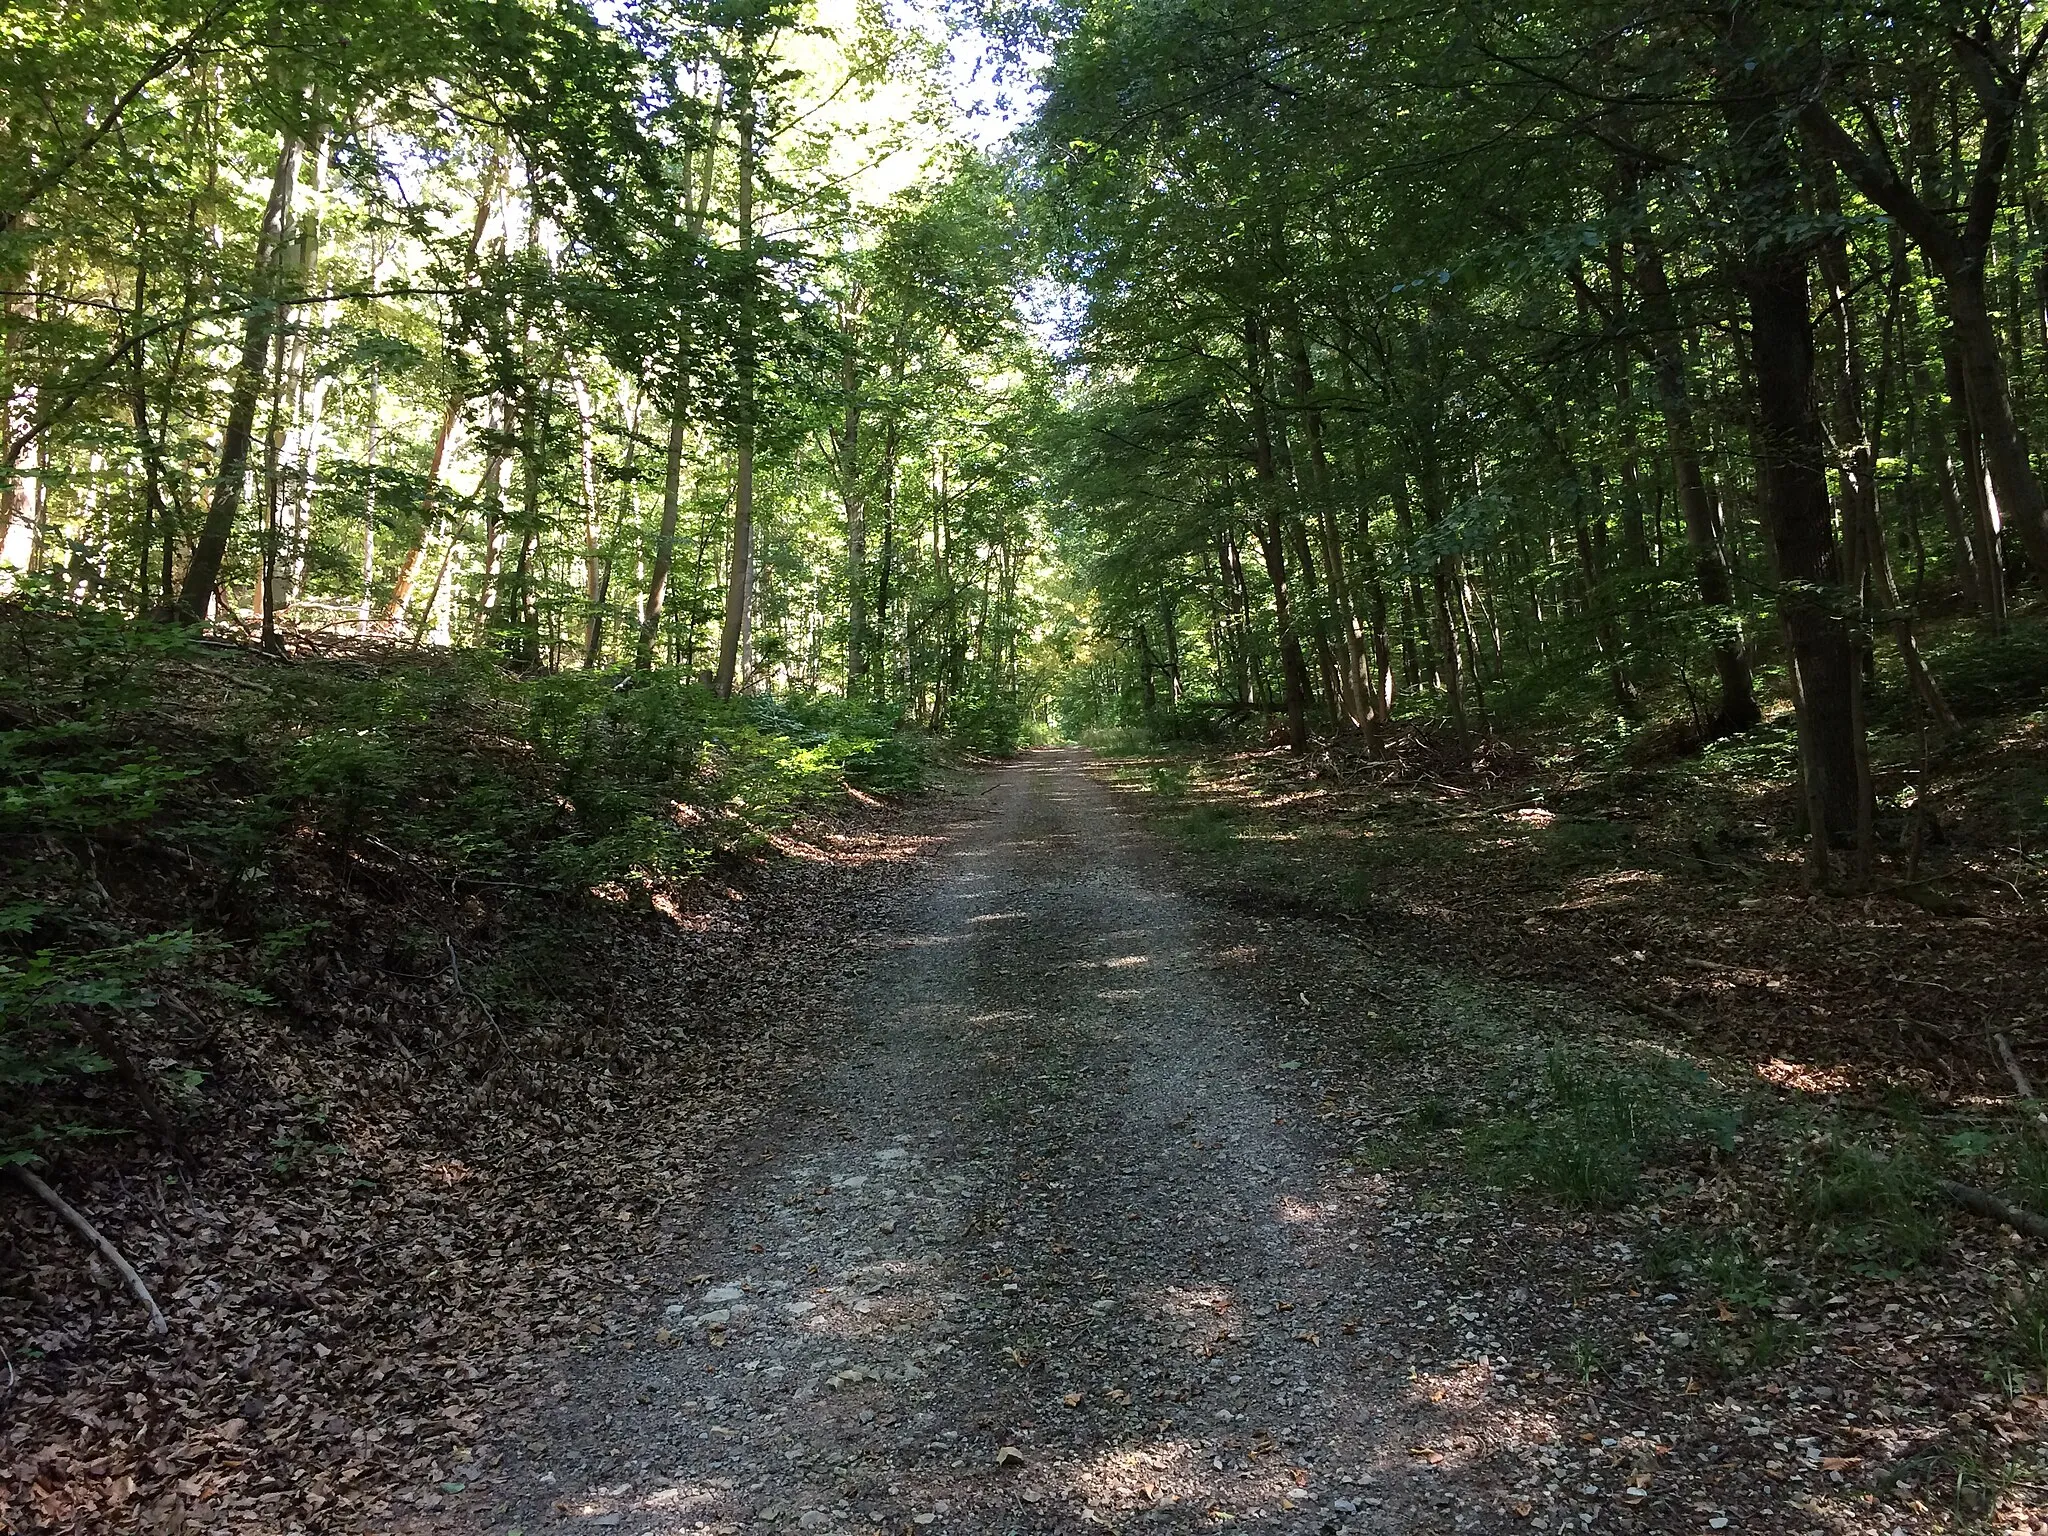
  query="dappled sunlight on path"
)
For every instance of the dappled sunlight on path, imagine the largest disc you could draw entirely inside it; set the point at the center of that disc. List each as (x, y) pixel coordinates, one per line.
(1046, 1249)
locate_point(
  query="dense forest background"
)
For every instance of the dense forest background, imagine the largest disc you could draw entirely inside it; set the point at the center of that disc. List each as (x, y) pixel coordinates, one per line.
(685, 338)
(1599, 367)
(1612, 362)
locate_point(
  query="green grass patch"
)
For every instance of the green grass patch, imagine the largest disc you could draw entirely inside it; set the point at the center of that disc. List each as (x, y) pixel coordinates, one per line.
(1209, 829)
(2025, 1352)
(1871, 1209)
(1595, 1122)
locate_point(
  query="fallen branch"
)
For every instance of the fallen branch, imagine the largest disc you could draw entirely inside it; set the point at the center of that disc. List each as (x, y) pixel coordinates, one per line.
(2020, 1080)
(91, 1234)
(1982, 1202)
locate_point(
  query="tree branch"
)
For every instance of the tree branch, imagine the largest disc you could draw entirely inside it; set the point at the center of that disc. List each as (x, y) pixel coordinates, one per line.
(1882, 185)
(162, 65)
(91, 1234)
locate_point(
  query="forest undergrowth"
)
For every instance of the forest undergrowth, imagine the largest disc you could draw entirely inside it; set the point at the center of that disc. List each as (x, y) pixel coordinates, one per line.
(347, 997)
(1783, 1103)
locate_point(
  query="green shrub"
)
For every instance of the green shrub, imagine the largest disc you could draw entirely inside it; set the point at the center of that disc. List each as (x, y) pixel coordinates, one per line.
(987, 723)
(126, 746)
(1210, 829)
(2026, 1323)
(1168, 783)
(893, 765)
(1987, 674)
(47, 997)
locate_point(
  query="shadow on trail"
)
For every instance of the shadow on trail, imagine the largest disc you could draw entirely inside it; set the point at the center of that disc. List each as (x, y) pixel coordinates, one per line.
(1048, 1248)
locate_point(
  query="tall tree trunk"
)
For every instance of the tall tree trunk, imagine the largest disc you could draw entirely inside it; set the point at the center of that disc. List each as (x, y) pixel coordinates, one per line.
(523, 611)
(492, 489)
(593, 516)
(1792, 468)
(1414, 611)
(739, 583)
(156, 516)
(1737, 708)
(209, 552)
(1593, 580)
(1961, 254)
(1862, 527)
(308, 389)
(1238, 608)
(451, 414)
(1309, 595)
(1443, 590)
(680, 387)
(854, 498)
(1294, 666)
(665, 538)
(1356, 690)
(374, 411)
(1978, 530)
(599, 552)
(430, 520)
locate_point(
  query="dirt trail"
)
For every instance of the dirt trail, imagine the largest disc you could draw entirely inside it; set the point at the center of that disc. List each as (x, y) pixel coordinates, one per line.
(1053, 1242)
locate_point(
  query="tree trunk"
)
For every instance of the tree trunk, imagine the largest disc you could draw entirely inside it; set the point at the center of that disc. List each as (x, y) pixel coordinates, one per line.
(1862, 526)
(1443, 574)
(2011, 474)
(416, 552)
(492, 489)
(523, 611)
(680, 386)
(1593, 576)
(156, 516)
(309, 392)
(1294, 666)
(853, 497)
(1414, 611)
(1977, 531)
(1792, 468)
(739, 583)
(1737, 709)
(1961, 254)
(209, 553)
(665, 538)
(1356, 690)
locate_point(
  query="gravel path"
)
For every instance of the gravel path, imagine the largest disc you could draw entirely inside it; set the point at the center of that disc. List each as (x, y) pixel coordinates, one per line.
(1052, 1242)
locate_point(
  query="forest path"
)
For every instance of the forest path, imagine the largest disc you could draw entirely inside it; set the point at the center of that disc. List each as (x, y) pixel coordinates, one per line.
(1055, 1241)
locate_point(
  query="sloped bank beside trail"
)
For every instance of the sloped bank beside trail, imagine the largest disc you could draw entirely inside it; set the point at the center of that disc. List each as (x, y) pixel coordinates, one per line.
(340, 996)
(358, 1306)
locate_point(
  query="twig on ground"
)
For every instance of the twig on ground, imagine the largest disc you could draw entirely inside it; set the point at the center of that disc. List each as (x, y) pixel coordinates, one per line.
(462, 990)
(92, 1234)
(1982, 1202)
(2020, 1080)
(1659, 1011)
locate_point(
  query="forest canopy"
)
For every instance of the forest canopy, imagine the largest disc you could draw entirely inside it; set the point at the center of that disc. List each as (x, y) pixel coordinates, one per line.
(1362, 370)
(679, 335)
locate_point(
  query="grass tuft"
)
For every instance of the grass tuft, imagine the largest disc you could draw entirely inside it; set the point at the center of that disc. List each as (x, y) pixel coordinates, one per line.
(1868, 1208)
(1598, 1122)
